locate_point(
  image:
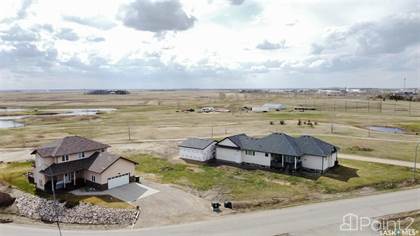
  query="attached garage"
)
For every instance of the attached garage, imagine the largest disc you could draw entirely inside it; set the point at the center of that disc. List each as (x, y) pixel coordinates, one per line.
(118, 180)
(110, 171)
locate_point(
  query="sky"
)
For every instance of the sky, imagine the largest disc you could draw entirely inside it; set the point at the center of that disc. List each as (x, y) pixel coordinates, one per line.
(174, 44)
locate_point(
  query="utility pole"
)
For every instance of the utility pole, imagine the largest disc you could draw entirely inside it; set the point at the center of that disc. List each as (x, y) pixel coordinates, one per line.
(55, 201)
(409, 108)
(415, 162)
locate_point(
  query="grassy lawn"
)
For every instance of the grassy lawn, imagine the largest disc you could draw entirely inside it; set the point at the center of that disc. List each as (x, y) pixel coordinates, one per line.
(240, 184)
(14, 174)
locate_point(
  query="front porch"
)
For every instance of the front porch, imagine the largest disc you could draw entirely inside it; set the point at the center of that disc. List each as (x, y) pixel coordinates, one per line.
(64, 182)
(285, 162)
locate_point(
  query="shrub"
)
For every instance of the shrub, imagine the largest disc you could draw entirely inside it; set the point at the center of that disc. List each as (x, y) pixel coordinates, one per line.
(71, 203)
(360, 149)
(6, 200)
(282, 122)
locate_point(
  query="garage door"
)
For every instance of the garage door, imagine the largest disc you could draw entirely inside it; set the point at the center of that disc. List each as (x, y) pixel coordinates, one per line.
(118, 180)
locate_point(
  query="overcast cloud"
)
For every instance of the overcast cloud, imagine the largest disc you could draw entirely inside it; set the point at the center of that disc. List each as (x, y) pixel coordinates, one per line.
(156, 16)
(208, 44)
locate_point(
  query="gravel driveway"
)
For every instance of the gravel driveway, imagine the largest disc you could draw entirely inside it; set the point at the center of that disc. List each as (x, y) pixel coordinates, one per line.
(171, 206)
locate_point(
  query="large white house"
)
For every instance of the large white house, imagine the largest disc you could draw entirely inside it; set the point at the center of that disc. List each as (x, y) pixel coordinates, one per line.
(197, 149)
(277, 151)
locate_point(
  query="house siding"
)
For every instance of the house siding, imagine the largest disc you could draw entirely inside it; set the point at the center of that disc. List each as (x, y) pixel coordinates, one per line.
(74, 157)
(121, 166)
(258, 159)
(87, 175)
(198, 154)
(229, 154)
(315, 162)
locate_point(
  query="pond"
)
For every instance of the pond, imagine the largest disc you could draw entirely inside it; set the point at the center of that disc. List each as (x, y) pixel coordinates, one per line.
(11, 109)
(79, 112)
(384, 129)
(11, 121)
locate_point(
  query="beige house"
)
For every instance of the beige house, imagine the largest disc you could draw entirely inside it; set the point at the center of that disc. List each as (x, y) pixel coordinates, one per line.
(75, 161)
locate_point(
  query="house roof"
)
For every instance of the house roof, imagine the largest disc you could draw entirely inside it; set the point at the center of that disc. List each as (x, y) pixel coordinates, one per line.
(104, 160)
(70, 166)
(196, 143)
(98, 162)
(314, 146)
(68, 145)
(284, 144)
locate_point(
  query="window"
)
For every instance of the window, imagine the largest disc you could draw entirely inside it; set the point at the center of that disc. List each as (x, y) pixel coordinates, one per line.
(82, 154)
(267, 154)
(65, 158)
(93, 178)
(250, 153)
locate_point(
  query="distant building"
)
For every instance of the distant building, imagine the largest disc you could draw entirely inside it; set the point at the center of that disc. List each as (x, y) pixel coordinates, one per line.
(269, 107)
(207, 109)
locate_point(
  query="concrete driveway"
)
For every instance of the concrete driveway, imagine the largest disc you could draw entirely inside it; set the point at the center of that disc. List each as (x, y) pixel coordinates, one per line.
(131, 192)
(128, 193)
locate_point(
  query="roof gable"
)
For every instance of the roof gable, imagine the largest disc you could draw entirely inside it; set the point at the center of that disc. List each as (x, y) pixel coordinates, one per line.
(227, 142)
(69, 145)
(104, 160)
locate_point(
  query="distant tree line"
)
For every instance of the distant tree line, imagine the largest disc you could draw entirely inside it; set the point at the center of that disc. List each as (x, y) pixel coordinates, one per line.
(401, 96)
(105, 92)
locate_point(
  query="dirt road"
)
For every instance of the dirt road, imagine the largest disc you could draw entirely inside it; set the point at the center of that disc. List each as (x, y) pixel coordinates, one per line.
(376, 160)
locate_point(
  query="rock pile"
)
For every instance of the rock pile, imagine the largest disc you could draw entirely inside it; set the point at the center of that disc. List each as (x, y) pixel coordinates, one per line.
(47, 210)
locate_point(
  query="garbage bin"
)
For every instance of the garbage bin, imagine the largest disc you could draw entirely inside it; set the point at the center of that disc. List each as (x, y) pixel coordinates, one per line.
(215, 206)
(228, 204)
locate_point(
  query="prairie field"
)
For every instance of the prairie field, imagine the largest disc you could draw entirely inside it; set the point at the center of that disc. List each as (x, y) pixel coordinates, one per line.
(156, 116)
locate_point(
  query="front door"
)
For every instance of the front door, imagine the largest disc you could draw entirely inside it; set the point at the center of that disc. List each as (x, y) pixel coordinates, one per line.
(68, 178)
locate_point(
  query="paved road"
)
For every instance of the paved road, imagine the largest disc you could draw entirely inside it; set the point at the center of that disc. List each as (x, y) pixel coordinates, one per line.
(313, 219)
(377, 160)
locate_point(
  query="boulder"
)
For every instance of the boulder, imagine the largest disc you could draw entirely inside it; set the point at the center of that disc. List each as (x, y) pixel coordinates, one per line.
(6, 200)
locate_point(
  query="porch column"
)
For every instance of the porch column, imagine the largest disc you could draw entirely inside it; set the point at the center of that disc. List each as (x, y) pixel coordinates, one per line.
(74, 178)
(52, 183)
(64, 180)
(295, 163)
(282, 161)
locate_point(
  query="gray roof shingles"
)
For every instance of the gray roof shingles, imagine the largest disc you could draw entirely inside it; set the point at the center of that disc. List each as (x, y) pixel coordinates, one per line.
(103, 161)
(68, 145)
(196, 143)
(281, 143)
